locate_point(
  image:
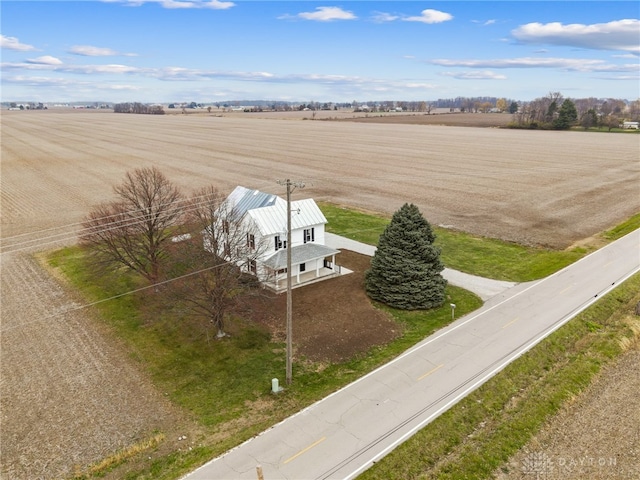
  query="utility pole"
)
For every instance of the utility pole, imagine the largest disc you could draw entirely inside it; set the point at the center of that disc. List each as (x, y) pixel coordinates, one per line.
(290, 187)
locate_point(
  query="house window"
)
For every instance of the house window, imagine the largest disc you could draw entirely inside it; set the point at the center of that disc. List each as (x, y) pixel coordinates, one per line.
(227, 250)
(303, 267)
(309, 235)
(253, 268)
(251, 241)
(279, 243)
(225, 227)
(281, 271)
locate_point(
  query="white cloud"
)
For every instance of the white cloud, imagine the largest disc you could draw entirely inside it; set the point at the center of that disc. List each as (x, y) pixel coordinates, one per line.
(475, 75)
(382, 17)
(622, 77)
(12, 43)
(179, 4)
(485, 23)
(53, 64)
(426, 16)
(211, 4)
(430, 16)
(45, 60)
(120, 88)
(571, 64)
(89, 51)
(37, 81)
(327, 14)
(617, 35)
(66, 84)
(426, 86)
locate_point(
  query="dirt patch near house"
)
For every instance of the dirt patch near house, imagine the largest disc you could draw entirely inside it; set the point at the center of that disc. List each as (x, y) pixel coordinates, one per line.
(334, 319)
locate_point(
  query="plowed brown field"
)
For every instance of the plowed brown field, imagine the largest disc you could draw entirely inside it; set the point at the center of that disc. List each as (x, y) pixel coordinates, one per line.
(539, 187)
(68, 394)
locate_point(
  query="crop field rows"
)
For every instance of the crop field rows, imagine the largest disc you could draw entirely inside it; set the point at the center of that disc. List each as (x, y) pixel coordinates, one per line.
(70, 397)
(536, 187)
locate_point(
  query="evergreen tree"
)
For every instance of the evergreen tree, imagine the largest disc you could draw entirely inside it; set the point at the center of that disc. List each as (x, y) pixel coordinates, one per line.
(567, 116)
(405, 270)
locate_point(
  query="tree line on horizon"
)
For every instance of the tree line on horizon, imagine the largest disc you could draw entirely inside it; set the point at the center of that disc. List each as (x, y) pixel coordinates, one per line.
(552, 111)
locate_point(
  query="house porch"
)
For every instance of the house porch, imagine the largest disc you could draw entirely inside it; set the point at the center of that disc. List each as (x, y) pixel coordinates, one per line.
(279, 283)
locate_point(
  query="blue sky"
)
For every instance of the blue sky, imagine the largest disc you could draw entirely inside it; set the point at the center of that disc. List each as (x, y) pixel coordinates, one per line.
(216, 50)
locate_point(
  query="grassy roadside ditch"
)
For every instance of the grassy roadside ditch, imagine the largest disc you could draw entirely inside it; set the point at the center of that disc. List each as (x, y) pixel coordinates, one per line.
(480, 433)
(225, 385)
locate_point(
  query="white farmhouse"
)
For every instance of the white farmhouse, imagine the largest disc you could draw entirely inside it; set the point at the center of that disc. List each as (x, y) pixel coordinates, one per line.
(262, 219)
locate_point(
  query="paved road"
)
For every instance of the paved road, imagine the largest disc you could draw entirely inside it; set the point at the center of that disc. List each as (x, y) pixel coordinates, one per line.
(343, 434)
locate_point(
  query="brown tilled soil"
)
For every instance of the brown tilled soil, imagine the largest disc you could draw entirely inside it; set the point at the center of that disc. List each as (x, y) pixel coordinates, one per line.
(489, 120)
(334, 319)
(69, 393)
(532, 187)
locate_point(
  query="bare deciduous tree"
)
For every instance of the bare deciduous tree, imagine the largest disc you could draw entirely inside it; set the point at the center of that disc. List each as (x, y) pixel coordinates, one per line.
(134, 229)
(213, 261)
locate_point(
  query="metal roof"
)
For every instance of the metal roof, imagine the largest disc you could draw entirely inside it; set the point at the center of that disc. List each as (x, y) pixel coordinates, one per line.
(273, 219)
(243, 200)
(299, 254)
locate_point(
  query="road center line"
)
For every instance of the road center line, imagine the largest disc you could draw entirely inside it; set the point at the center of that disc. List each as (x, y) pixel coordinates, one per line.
(304, 450)
(431, 371)
(510, 323)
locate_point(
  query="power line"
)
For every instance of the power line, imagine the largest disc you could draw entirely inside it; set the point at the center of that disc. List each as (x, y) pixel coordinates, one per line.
(130, 292)
(130, 222)
(60, 237)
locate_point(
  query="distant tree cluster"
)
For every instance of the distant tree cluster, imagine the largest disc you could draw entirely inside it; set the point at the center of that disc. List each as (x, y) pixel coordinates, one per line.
(475, 104)
(136, 107)
(555, 112)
